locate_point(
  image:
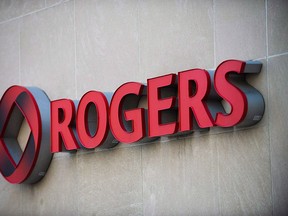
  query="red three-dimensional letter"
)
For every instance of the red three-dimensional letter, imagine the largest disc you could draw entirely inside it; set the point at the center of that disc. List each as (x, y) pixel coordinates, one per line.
(136, 115)
(229, 92)
(190, 101)
(101, 104)
(156, 104)
(62, 113)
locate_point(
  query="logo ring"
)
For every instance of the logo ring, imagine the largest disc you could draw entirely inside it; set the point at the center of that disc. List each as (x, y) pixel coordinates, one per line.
(20, 103)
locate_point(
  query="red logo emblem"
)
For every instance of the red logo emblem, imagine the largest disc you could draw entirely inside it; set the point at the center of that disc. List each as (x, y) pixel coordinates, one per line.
(20, 104)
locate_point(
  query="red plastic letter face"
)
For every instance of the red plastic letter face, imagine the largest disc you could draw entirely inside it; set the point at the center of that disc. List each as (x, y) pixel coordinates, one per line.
(62, 112)
(156, 104)
(135, 116)
(193, 101)
(101, 104)
(229, 92)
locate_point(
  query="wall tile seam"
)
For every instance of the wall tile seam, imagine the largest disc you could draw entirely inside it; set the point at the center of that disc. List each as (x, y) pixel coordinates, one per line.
(218, 189)
(75, 50)
(268, 98)
(214, 32)
(266, 27)
(264, 58)
(258, 59)
(76, 91)
(218, 183)
(142, 178)
(19, 52)
(145, 75)
(33, 12)
(22, 200)
(58, 3)
(139, 38)
(268, 57)
(277, 55)
(269, 142)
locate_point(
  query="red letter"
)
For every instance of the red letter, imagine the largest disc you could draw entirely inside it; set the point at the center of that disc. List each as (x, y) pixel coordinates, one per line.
(136, 116)
(193, 101)
(101, 104)
(156, 104)
(62, 112)
(229, 92)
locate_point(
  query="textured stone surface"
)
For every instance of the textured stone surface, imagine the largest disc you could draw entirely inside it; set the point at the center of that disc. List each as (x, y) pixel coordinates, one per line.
(53, 2)
(11, 198)
(107, 44)
(240, 30)
(47, 51)
(175, 36)
(14, 8)
(10, 195)
(110, 182)
(227, 174)
(277, 26)
(278, 76)
(9, 55)
(57, 193)
(180, 177)
(244, 172)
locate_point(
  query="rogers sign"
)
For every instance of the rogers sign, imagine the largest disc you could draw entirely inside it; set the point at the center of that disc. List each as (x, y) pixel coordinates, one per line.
(177, 105)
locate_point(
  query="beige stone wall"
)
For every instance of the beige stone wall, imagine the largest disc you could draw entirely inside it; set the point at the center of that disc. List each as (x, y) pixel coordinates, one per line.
(67, 48)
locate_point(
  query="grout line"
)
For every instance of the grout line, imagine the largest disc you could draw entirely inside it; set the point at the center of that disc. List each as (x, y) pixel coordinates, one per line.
(258, 59)
(268, 99)
(19, 51)
(75, 83)
(218, 180)
(268, 57)
(138, 35)
(142, 176)
(76, 93)
(141, 147)
(266, 23)
(32, 12)
(214, 32)
(21, 199)
(269, 143)
(143, 79)
(277, 55)
(77, 184)
(75, 53)
(218, 191)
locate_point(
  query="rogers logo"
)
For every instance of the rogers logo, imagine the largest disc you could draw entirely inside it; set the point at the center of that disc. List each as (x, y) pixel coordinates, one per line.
(177, 105)
(20, 104)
